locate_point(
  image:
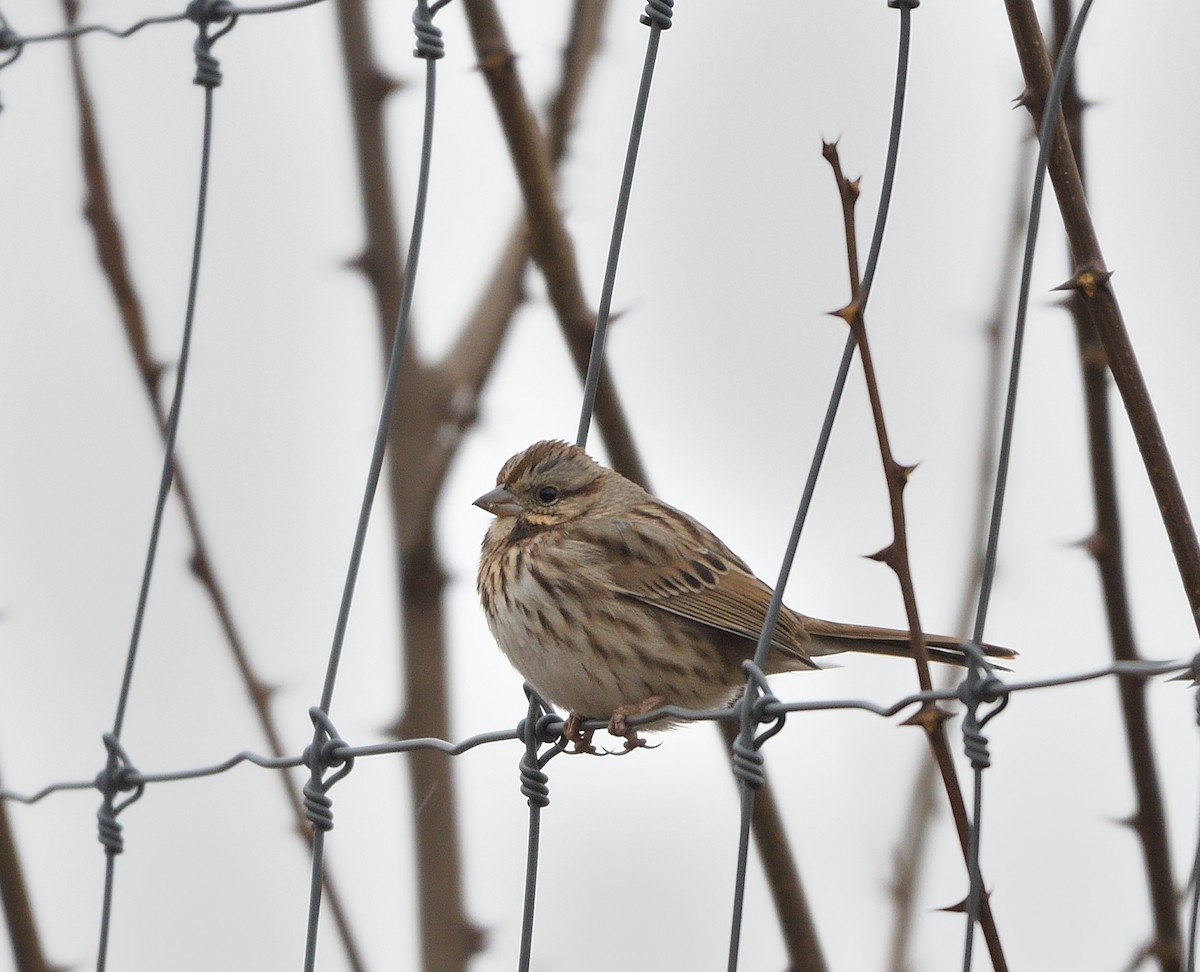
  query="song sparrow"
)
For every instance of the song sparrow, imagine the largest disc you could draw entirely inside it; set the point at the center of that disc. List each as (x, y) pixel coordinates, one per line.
(610, 602)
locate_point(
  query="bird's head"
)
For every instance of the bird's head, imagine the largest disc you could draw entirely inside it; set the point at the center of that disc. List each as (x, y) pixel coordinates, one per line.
(549, 483)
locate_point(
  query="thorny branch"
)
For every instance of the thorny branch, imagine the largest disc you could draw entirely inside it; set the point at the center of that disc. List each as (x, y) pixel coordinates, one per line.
(1091, 282)
(909, 853)
(930, 716)
(1148, 821)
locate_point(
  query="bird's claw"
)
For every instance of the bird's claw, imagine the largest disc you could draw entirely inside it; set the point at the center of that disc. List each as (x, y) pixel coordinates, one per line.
(578, 738)
(617, 726)
(632, 741)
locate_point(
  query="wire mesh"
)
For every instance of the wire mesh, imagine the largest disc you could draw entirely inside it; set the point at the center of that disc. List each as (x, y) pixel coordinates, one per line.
(120, 782)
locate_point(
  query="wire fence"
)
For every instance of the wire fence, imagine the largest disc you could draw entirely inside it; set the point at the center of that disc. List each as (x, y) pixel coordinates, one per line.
(758, 715)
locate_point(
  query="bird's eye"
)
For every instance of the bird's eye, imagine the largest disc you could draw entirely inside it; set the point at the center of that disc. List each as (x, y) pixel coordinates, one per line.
(548, 495)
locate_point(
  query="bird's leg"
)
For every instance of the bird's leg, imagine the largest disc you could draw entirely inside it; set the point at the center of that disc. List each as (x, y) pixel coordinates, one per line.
(618, 727)
(580, 739)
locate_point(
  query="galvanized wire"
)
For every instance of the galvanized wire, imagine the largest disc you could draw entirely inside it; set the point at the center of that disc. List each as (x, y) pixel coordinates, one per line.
(658, 18)
(121, 782)
(327, 752)
(548, 725)
(745, 738)
(1050, 114)
(116, 776)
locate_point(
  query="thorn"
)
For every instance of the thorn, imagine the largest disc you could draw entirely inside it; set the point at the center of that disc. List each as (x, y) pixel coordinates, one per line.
(961, 906)
(382, 85)
(495, 60)
(262, 693)
(360, 263)
(847, 313)
(1086, 281)
(157, 370)
(929, 717)
(1132, 822)
(1033, 104)
(884, 555)
(899, 473)
(1093, 544)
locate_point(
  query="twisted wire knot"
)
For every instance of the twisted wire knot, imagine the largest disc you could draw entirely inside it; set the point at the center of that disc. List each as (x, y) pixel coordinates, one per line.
(546, 728)
(109, 833)
(9, 38)
(658, 14)
(748, 762)
(762, 702)
(975, 743)
(429, 36)
(326, 752)
(318, 806)
(534, 782)
(118, 776)
(755, 705)
(205, 13)
(980, 687)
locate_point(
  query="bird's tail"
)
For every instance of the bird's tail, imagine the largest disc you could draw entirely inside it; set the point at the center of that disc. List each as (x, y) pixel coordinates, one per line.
(829, 639)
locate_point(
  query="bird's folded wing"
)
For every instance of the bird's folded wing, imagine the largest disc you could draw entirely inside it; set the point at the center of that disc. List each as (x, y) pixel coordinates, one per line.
(714, 588)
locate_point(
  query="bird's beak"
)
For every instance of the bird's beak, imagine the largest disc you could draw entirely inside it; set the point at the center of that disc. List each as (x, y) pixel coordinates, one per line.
(499, 502)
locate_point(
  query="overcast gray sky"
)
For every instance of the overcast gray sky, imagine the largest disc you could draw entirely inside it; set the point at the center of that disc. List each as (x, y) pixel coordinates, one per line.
(724, 355)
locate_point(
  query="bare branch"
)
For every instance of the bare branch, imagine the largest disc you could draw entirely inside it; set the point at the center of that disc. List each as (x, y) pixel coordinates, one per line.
(929, 717)
(550, 244)
(1105, 546)
(1091, 281)
(470, 360)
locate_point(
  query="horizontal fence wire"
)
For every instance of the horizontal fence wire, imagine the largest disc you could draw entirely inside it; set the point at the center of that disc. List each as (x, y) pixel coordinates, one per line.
(758, 713)
(548, 724)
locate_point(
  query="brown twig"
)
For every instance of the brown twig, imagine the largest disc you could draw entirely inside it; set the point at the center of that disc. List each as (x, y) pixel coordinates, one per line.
(1090, 280)
(550, 244)
(1105, 546)
(110, 252)
(929, 717)
(909, 853)
(553, 251)
(435, 405)
(783, 877)
(18, 912)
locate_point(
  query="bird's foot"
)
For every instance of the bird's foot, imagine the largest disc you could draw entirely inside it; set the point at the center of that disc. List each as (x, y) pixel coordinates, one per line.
(618, 727)
(578, 738)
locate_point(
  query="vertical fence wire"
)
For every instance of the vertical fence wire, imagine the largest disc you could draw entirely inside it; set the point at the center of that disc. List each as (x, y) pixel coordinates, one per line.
(534, 785)
(1050, 115)
(116, 775)
(658, 18)
(755, 684)
(539, 725)
(324, 751)
(328, 751)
